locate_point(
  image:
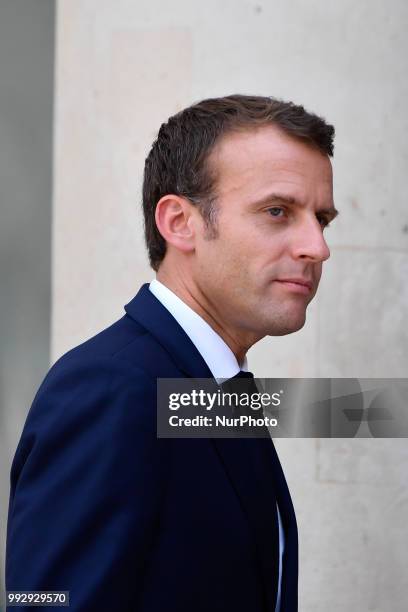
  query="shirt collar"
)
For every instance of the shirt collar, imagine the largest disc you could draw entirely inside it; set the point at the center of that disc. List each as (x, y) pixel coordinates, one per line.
(215, 352)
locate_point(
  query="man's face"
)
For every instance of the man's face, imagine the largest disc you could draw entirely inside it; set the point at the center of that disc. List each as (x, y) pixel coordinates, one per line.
(274, 197)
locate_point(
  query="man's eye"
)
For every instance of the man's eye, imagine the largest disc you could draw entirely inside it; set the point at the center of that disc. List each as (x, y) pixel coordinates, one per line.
(324, 222)
(275, 211)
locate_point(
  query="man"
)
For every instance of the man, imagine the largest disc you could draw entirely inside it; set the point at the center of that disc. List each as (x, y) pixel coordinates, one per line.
(237, 193)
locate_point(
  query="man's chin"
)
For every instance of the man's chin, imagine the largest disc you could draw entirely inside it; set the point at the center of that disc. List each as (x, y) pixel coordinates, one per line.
(285, 327)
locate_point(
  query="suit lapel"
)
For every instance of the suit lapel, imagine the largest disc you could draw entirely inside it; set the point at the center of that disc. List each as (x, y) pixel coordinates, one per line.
(244, 460)
(146, 309)
(245, 469)
(289, 585)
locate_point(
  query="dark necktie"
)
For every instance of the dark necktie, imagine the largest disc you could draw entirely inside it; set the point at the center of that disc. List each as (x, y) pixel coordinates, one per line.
(243, 374)
(270, 471)
(240, 383)
(244, 383)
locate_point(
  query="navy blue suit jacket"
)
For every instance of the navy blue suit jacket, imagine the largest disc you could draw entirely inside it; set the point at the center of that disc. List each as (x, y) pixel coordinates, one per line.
(125, 521)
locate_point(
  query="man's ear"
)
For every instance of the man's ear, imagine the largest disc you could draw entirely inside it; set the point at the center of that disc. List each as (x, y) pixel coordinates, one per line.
(175, 221)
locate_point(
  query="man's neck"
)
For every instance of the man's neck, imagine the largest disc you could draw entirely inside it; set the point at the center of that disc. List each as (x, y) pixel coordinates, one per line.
(197, 302)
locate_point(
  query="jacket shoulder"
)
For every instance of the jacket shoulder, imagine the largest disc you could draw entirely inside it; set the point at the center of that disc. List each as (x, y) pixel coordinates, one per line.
(124, 343)
(79, 475)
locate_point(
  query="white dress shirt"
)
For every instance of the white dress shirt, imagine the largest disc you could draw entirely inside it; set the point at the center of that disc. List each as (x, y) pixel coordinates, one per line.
(216, 354)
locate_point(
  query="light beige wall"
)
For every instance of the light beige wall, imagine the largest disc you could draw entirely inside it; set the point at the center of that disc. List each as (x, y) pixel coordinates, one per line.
(26, 112)
(122, 68)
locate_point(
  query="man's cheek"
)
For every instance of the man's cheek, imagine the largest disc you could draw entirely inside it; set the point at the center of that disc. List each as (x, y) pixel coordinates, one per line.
(319, 270)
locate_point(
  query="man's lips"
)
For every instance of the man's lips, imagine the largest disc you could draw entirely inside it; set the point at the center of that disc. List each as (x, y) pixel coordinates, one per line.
(297, 285)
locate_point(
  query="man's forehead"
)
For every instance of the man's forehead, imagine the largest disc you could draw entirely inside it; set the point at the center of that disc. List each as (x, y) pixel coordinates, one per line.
(265, 143)
(265, 154)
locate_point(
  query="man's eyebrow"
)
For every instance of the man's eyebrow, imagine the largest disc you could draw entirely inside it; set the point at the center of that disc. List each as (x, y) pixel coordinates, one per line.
(277, 198)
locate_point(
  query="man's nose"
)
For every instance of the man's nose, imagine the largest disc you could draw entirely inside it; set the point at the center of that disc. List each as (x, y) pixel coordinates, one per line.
(309, 243)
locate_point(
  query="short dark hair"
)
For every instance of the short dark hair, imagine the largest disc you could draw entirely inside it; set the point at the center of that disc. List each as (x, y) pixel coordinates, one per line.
(177, 162)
